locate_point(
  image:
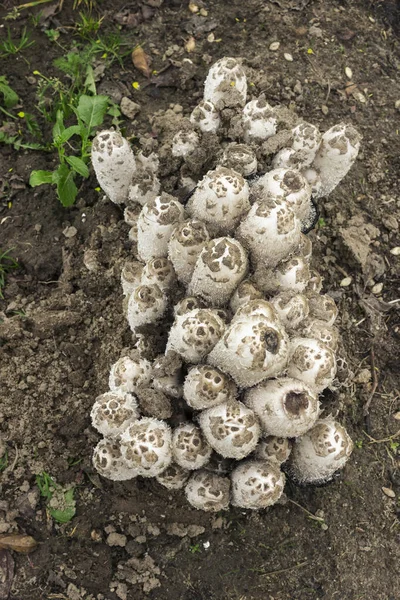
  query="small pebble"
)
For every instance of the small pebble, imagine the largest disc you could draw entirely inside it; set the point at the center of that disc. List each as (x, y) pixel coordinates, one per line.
(377, 288)
(274, 46)
(388, 492)
(128, 108)
(397, 416)
(288, 57)
(349, 73)
(324, 109)
(397, 104)
(70, 232)
(345, 282)
(395, 251)
(116, 539)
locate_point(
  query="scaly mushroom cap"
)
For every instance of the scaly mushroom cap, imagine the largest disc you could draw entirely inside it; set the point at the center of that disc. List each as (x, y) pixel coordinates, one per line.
(185, 245)
(285, 407)
(292, 274)
(174, 477)
(131, 216)
(289, 185)
(184, 143)
(127, 374)
(156, 222)
(254, 346)
(306, 139)
(109, 462)
(145, 185)
(273, 449)
(320, 452)
(259, 120)
(241, 158)
(311, 362)
(231, 429)
(226, 84)
(195, 333)
(244, 292)
(187, 304)
(189, 448)
(131, 276)
(220, 199)
(159, 271)
(257, 484)
(270, 231)
(206, 117)
(336, 154)
(147, 304)
(323, 307)
(321, 331)
(114, 164)
(208, 491)
(146, 446)
(219, 269)
(292, 308)
(113, 411)
(207, 386)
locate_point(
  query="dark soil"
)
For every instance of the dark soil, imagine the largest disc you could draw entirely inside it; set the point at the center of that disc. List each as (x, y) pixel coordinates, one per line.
(62, 327)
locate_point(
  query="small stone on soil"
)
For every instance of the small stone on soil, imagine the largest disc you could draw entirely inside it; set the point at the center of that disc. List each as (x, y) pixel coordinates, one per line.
(388, 492)
(129, 108)
(288, 57)
(274, 46)
(116, 539)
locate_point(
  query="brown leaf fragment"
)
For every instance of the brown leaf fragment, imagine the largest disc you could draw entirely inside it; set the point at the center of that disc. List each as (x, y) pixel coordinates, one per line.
(6, 573)
(141, 61)
(18, 542)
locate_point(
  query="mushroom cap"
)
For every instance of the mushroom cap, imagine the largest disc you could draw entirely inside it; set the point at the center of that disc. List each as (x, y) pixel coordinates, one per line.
(109, 462)
(208, 491)
(189, 448)
(174, 477)
(113, 411)
(207, 386)
(127, 375)
(312, 362)
(159, 271)
(320, 452)
(231, 428)
(259, 120)
(257, 484)
(285, 407)
(226, 83)
(274, 449)
(292, 308)
(239, 157)
(146, 304)
(205, 116)
(146, 446)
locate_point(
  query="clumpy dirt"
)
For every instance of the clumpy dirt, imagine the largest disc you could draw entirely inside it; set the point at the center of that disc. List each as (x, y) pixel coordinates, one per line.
(62, 326)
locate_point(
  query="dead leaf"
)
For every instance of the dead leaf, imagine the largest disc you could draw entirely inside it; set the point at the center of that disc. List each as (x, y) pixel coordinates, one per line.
(141, 61)
(6, 573)
(18, 542)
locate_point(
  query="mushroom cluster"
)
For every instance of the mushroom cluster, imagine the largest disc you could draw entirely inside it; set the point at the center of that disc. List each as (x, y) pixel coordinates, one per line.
(220, 282)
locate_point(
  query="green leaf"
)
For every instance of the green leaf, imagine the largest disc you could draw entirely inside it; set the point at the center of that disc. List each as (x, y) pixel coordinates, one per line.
(78, 165)
(64, 515)
(68, 133)
(66, 188)
(40, 177)
(91, 109)
(59, 125)
(90, 83)
(10, 97)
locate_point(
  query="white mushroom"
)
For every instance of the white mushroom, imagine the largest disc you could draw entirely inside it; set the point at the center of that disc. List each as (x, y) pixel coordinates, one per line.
(146, 446)
(156, 222)
(305, 143)
(292, 274)
(257, 484)
(208, 491)
(219, 269)
(145, 185)
(335, 156)
(194, 334)
(159, 271)
(285, 407)
(185, 245)
(174, 477)
(109, 462)
(270, 230)
(189, 448)
(322, 331)
(259, 120)
(207, 386)
(114, 164)
(289, 185)
(184, 143)
(127, 374)
(131, 276)
(273, 449)
(226, 83)
(113, 411)
(241, 158)
(206, 117)
(320, 452)
(244, 292)
(291, 307)
(167, 374)
(146, 304)
(312, 362)
(231, 429)
(323, 307)
(253, 348)
(220, 199)
(186, 305)
(131, 216)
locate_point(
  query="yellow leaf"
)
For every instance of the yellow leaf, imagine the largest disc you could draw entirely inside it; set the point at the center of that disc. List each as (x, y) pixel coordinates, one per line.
(21, 114)
(18, 542)
(190, 44)
(141, 61)
(310, 51)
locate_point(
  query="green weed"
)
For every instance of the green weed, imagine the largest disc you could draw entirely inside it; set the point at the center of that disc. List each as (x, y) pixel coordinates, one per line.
(9, 47)
(57, 496)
